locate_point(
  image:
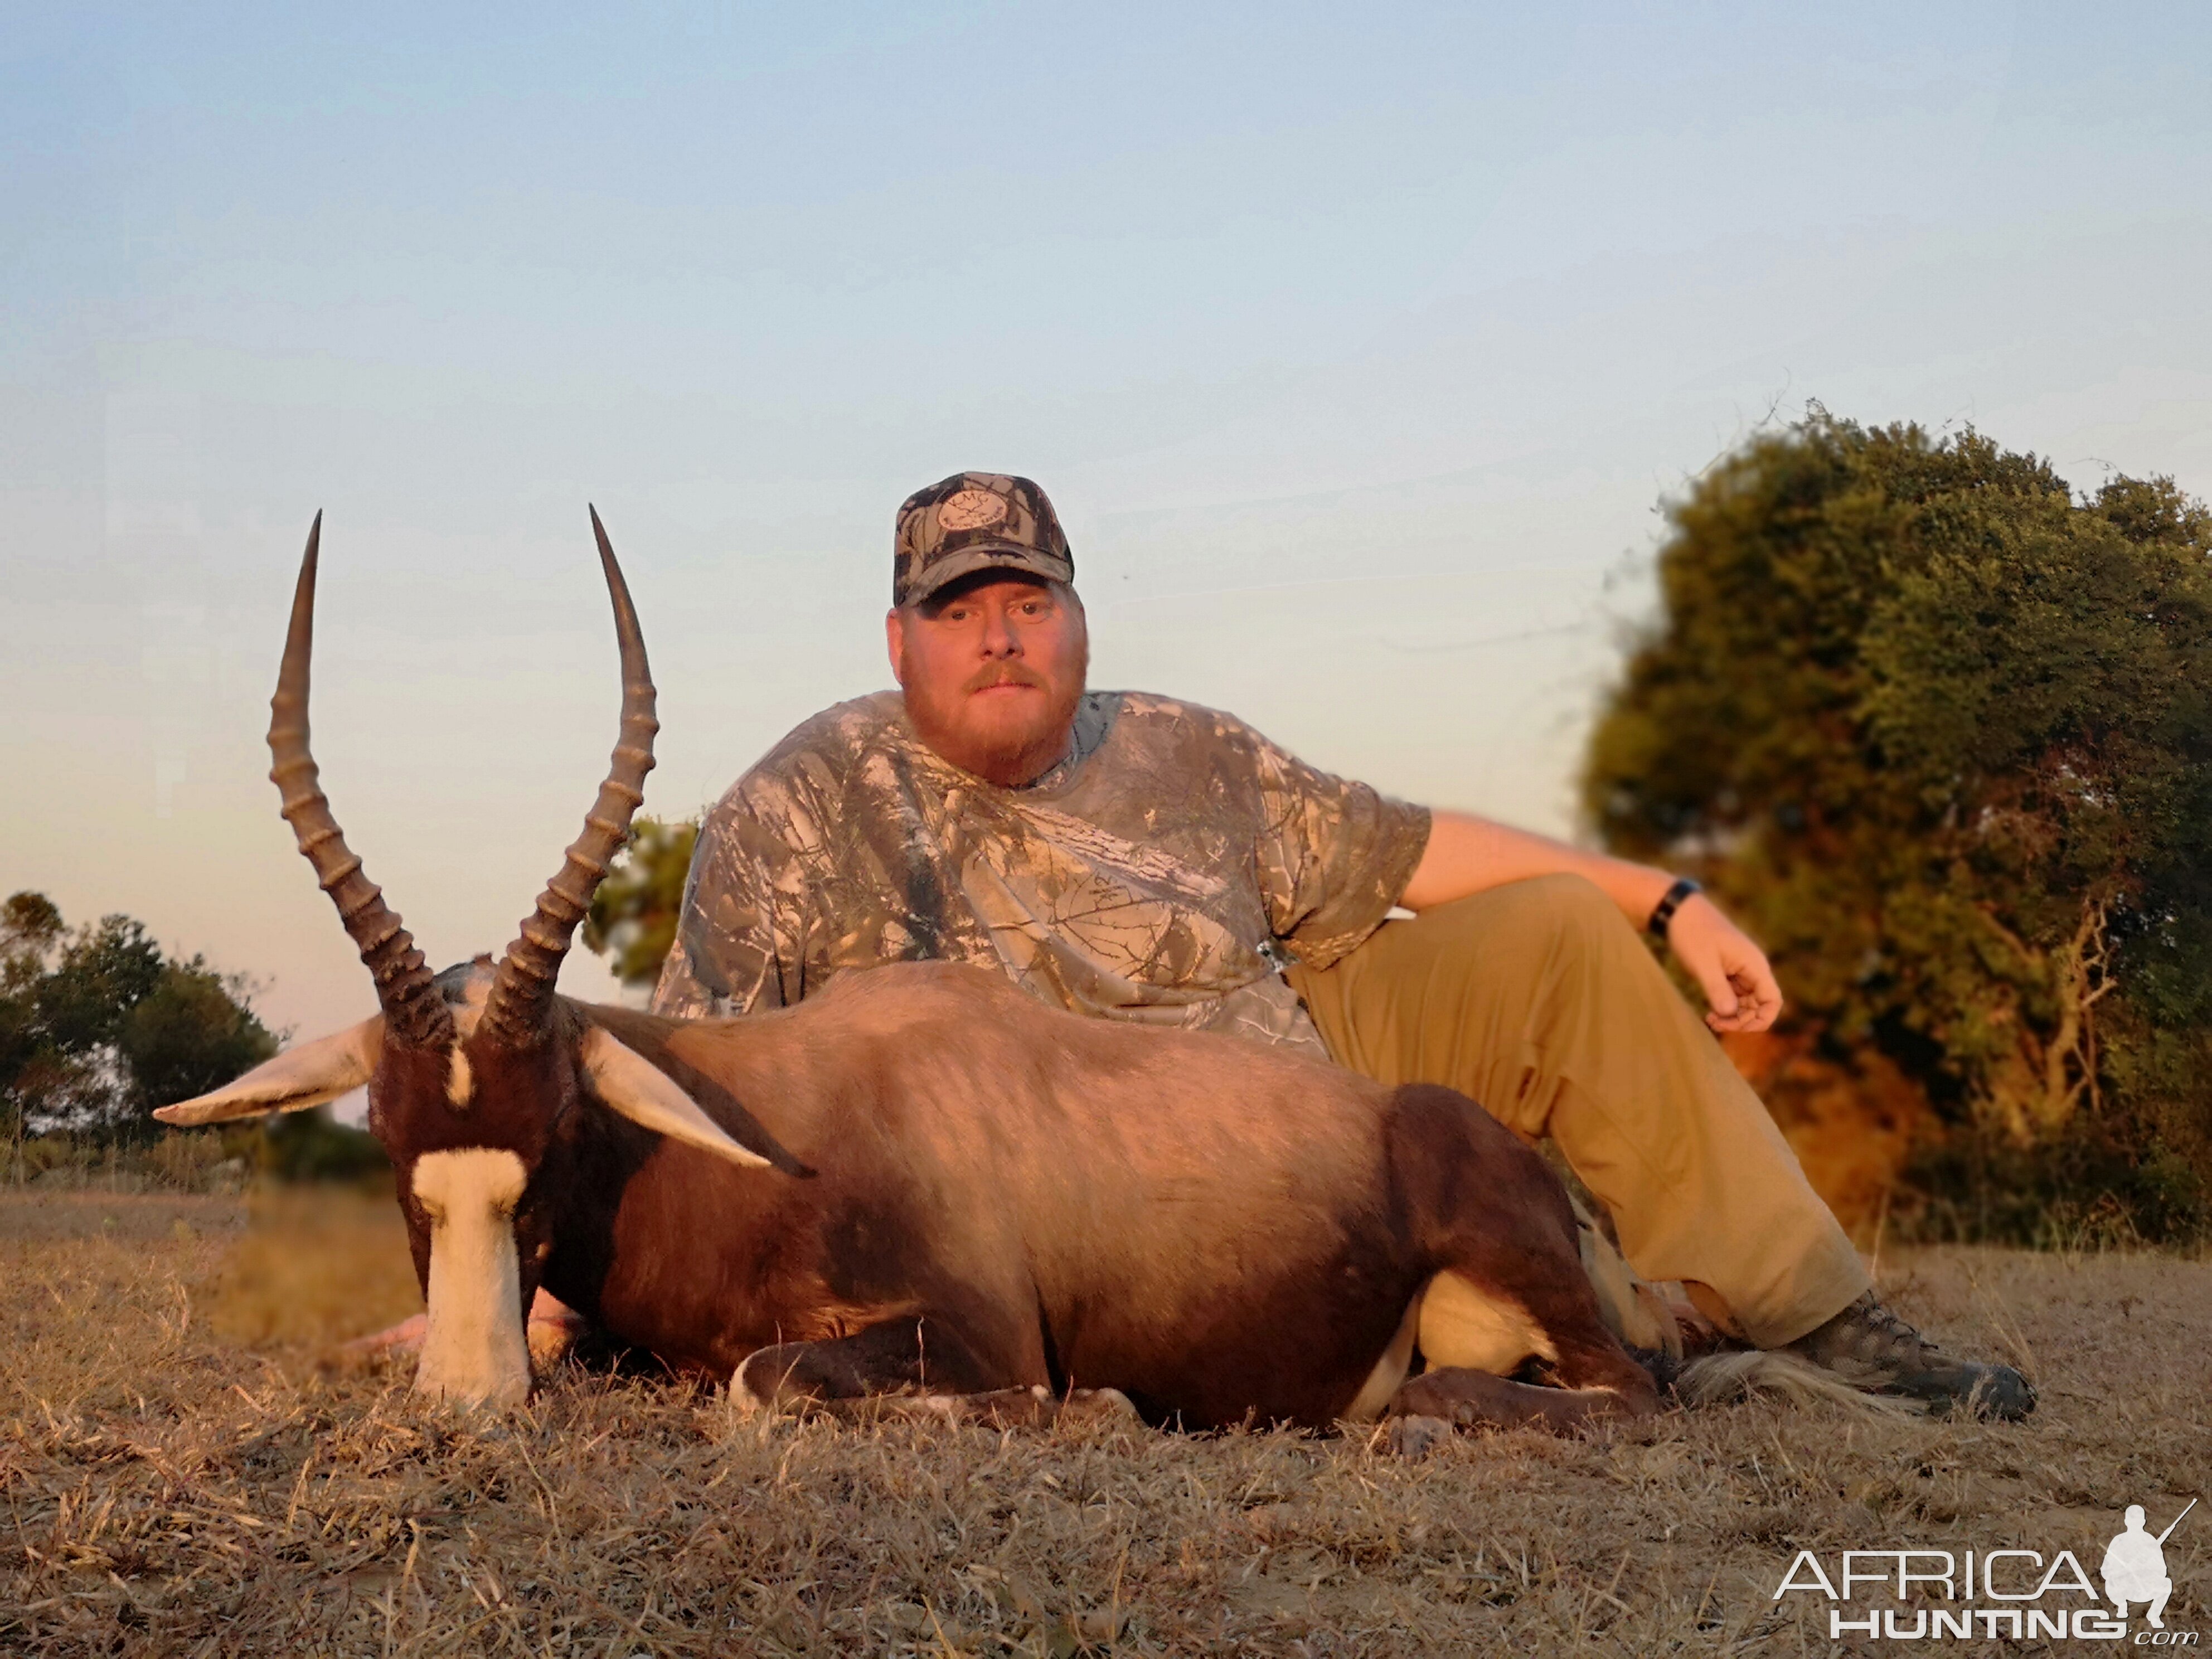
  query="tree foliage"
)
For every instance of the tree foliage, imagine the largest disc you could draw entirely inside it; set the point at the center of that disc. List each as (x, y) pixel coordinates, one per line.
(98, 1027)
(1942, 732)
(633, 914)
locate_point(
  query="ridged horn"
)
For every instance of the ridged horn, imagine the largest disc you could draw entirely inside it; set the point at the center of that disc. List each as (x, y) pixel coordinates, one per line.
(413, 1010)
(521, 999)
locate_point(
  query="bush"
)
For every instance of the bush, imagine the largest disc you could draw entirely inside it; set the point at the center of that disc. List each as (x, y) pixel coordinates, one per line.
(98, 1028)
(1942, 732)
(312, 1145)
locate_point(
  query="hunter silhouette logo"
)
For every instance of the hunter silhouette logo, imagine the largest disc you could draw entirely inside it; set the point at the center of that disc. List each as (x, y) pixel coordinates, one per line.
(2135, 1567)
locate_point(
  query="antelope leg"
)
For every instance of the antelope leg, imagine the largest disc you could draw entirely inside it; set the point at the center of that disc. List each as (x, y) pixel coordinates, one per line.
(913, 1354)
(1470, 1399)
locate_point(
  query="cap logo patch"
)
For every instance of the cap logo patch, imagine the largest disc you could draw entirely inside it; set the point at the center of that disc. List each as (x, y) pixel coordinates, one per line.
(970, 509)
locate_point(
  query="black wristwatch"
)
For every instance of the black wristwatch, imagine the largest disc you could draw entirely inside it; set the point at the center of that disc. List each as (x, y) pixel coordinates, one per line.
(1663, 913)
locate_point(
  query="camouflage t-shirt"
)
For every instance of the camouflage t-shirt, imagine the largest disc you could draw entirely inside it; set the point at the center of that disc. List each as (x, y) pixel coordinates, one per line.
(1159, 873)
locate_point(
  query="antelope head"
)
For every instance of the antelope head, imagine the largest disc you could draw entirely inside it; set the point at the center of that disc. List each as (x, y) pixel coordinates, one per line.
(469, 1072)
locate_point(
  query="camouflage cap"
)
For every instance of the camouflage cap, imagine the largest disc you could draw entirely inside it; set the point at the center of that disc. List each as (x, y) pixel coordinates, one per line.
(976, 521)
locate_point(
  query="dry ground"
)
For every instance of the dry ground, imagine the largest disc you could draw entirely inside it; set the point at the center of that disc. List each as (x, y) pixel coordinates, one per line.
(180, 1477)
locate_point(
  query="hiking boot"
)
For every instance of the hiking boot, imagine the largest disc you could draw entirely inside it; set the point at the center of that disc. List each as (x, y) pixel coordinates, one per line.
(1870, 1347)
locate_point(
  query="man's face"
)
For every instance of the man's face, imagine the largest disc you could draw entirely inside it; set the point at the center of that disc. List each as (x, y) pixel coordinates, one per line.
(993, 668)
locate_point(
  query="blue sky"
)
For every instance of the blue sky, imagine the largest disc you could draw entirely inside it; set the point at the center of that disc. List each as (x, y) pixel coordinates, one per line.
(1357, 346)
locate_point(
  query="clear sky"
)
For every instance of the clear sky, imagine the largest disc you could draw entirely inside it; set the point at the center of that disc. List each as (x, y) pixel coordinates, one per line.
(1357, 346)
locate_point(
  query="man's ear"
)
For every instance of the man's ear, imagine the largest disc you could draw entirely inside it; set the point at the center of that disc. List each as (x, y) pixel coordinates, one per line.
(1074, 601)
(894, 642)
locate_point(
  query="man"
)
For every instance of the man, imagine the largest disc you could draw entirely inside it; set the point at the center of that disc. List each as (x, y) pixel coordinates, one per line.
(1132, 858)
(2133, 1568)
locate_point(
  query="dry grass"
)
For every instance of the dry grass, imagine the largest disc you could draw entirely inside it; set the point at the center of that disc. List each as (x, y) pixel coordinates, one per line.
(171, 1490)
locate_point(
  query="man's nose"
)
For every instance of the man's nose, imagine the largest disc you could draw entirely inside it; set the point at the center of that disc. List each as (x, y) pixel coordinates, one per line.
(1000, 638)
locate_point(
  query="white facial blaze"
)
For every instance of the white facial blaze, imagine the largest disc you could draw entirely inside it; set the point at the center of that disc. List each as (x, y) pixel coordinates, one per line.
(476, 1351)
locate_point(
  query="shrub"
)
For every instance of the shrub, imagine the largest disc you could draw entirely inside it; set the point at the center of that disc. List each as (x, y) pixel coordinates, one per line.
(1940, 730)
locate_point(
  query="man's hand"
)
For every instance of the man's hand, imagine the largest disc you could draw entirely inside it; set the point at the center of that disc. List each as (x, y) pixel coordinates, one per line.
(1734, 972)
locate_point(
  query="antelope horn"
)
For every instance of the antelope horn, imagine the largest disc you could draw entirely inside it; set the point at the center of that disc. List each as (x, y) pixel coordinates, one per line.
(413, 1010)
(521, 999)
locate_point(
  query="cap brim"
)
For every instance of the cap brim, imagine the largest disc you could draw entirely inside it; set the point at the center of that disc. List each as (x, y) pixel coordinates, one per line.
(1007, 556)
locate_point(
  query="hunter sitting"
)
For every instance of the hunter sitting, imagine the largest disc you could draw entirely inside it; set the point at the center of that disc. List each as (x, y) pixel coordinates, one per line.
(1134, 858)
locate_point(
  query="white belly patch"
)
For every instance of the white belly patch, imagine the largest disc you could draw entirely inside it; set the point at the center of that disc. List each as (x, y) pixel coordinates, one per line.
(1462, 1324)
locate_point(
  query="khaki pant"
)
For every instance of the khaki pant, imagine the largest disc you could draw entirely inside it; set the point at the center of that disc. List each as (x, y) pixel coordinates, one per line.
(1539, 999)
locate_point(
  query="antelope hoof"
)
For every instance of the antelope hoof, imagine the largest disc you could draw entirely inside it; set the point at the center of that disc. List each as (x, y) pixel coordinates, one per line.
(1415, 1438)
(1086, 1406)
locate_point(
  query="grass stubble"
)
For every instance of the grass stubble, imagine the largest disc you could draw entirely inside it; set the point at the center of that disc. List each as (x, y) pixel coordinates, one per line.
(185, 1473)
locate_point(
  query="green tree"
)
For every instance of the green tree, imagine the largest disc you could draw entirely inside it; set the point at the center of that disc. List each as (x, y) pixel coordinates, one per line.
(97, 1027)
(1942, 732)
(30, 926)
(102, 973)
(634, 913)
(194, 1031)
(37, 1076)
(30, 929)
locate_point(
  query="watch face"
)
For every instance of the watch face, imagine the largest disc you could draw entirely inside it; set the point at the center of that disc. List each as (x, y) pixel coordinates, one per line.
(970, 509)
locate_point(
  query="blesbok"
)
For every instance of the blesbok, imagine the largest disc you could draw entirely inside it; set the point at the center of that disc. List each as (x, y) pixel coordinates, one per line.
(923, 1181)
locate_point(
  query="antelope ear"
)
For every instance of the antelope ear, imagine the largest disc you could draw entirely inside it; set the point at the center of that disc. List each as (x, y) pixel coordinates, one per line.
(296, 1079)
(628, 1083)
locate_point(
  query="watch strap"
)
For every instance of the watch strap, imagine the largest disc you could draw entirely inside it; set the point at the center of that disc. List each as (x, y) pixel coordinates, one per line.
(1662, 913)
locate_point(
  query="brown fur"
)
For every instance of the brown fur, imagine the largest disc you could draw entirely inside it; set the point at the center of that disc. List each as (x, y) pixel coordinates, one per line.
(974, 1192)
